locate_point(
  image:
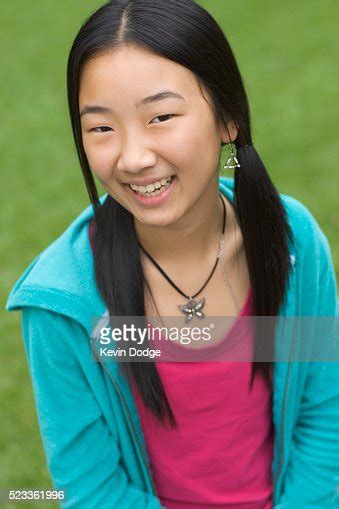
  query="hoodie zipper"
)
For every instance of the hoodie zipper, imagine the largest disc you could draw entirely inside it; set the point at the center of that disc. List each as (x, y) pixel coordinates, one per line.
(282, 426)
(281, 438)
(129, 420)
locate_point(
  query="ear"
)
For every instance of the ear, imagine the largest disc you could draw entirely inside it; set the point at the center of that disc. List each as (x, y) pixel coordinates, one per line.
(230, 133)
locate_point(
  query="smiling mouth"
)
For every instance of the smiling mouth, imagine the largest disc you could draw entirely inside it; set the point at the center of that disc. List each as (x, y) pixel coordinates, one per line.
(142, 190)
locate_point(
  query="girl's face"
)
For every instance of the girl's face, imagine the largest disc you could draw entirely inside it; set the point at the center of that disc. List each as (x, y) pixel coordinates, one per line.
(131, 140)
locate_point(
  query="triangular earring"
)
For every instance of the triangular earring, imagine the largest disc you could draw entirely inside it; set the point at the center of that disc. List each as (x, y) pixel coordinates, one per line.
(232, 162)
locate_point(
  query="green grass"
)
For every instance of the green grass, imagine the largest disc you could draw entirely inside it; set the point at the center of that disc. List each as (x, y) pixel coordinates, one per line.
(288, 57)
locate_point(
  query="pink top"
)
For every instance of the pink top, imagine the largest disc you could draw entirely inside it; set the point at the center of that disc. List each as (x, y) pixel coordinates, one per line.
(220, 457)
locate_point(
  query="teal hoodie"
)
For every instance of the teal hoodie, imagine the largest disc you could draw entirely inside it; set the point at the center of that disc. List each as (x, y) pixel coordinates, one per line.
(89, 424)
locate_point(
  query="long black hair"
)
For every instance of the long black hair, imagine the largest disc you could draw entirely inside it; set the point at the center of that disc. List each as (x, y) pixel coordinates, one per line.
(184, 32)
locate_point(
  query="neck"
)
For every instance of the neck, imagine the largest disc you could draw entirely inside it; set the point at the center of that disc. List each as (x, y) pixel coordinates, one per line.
(195, 237)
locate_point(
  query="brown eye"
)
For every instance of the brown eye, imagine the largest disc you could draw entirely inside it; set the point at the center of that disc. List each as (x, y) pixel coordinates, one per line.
(100, 127)
(166, 117)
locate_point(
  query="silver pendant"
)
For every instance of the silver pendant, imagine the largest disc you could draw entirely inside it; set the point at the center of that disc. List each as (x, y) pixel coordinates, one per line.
(232, 162)
(192, 308)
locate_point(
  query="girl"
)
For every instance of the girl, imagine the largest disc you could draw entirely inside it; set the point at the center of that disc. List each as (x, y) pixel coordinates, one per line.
(154, 95)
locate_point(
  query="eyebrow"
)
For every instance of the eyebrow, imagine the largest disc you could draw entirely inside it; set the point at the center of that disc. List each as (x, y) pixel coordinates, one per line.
(159, 96)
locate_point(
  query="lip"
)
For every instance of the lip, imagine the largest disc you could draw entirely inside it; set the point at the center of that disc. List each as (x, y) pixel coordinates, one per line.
(152, 201)
(145, 182)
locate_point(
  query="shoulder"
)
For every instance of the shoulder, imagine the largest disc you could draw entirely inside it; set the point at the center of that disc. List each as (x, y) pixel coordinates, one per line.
(310, 254)
(61, 278)
(306, 231)
(302, 221)
(309, 239)
(312, 260)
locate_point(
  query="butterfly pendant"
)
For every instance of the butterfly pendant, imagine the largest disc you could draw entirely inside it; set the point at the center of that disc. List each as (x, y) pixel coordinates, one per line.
(193, 308)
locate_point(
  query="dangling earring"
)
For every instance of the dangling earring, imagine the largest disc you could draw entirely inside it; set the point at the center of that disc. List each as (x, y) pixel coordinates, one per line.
(232, 161)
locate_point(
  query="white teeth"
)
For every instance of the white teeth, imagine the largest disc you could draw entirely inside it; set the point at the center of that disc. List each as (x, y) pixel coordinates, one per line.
(150, 188)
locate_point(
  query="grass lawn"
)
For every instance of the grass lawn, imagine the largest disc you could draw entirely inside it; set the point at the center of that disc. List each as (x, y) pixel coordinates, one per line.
(287, 52)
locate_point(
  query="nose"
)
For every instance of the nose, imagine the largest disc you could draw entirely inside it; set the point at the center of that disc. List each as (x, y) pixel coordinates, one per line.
(135, 155)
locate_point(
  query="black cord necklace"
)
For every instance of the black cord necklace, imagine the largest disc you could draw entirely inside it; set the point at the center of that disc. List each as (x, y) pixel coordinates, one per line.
(192, 307)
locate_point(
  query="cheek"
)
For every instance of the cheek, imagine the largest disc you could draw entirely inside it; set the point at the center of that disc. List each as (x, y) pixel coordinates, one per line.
(101, 160)
(209, 154)
(196, 148)
(208, 142)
